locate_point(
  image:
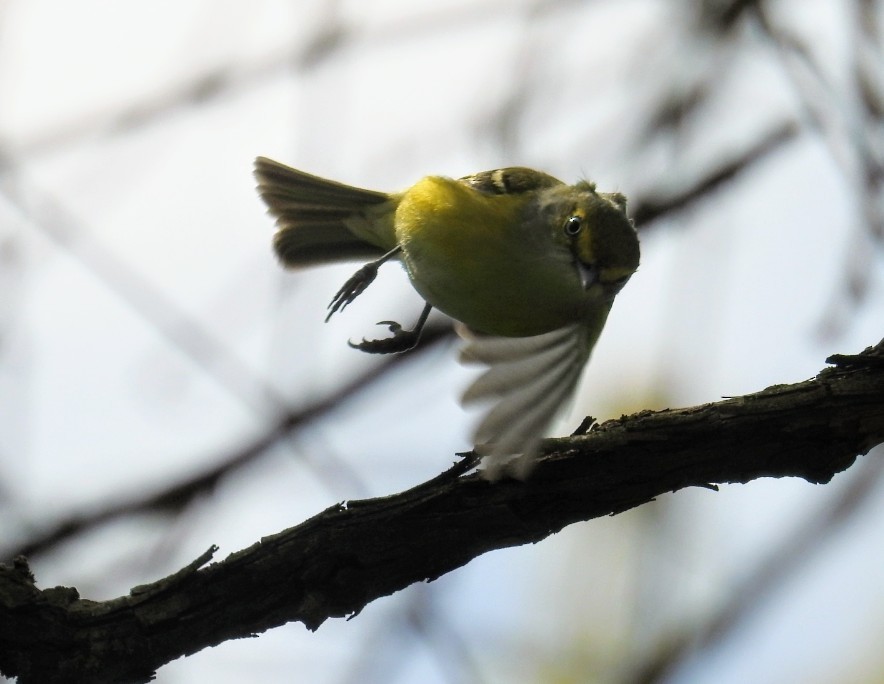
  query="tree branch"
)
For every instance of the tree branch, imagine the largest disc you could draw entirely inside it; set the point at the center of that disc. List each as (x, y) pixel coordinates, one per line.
(337, 562)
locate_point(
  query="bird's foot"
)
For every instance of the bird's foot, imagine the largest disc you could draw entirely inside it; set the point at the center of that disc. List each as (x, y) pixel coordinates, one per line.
(402, 340)
(357, 283)
(354, 287)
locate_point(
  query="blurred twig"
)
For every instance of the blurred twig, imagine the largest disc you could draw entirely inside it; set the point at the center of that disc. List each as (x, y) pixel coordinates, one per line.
(182, 331)
(331, 38)
(769, 575)
(419, 614)
(179, 495)
(338, 561)
(852, 129)
(648, 209)
(206, 351)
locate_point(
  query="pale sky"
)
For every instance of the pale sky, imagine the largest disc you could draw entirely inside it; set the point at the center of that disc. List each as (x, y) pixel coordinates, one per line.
(147, 330)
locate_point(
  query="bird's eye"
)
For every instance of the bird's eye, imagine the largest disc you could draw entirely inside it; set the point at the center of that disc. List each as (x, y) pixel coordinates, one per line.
(573, 226)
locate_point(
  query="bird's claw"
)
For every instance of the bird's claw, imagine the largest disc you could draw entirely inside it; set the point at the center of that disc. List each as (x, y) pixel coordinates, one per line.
(402, 340)
(354, 287)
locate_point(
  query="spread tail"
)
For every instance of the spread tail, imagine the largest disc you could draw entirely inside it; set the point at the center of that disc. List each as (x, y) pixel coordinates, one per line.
(321, 221)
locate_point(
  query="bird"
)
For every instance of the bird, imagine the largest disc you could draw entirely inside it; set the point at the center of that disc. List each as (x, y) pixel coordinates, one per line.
(526, 265)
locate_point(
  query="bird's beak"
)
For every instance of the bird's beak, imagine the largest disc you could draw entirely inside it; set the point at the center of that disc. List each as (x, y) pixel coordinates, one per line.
(588, 274)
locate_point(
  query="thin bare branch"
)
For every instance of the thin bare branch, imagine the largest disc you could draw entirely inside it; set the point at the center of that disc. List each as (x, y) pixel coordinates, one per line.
(649, 209)
(177, 496)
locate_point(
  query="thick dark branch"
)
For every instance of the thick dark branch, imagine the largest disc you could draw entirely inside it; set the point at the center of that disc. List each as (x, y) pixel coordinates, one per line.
(338, 561)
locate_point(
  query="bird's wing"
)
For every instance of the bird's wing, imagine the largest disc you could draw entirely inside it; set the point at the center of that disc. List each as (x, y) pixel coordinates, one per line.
(509, 181)
(528, 380)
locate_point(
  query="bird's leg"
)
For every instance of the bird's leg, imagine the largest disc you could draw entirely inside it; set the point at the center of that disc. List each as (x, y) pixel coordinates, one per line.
(357, 283)
(402, 340)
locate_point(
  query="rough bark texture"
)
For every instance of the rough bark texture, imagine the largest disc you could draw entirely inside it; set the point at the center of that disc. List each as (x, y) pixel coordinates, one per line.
(335, 563)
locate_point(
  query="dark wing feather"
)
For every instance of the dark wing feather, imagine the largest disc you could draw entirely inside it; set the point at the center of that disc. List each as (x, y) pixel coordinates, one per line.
(511, 180)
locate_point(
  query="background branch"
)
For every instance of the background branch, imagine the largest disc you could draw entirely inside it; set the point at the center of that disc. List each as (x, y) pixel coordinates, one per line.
(337, 562)
(185, 335)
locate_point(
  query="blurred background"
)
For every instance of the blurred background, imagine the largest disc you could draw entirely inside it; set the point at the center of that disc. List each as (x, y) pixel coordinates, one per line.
(165, 386)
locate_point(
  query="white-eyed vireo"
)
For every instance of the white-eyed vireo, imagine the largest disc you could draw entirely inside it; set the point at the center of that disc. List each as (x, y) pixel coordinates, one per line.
(528, 265)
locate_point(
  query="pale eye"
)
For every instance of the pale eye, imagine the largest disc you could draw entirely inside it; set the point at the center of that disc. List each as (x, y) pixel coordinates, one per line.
(573, 226)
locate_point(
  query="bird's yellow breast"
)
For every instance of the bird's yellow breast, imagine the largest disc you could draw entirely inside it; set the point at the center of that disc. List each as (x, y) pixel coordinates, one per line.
(476, 258)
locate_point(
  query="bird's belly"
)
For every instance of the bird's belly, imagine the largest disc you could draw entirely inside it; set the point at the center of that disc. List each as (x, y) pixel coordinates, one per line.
(483, 285)
(492, 307)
